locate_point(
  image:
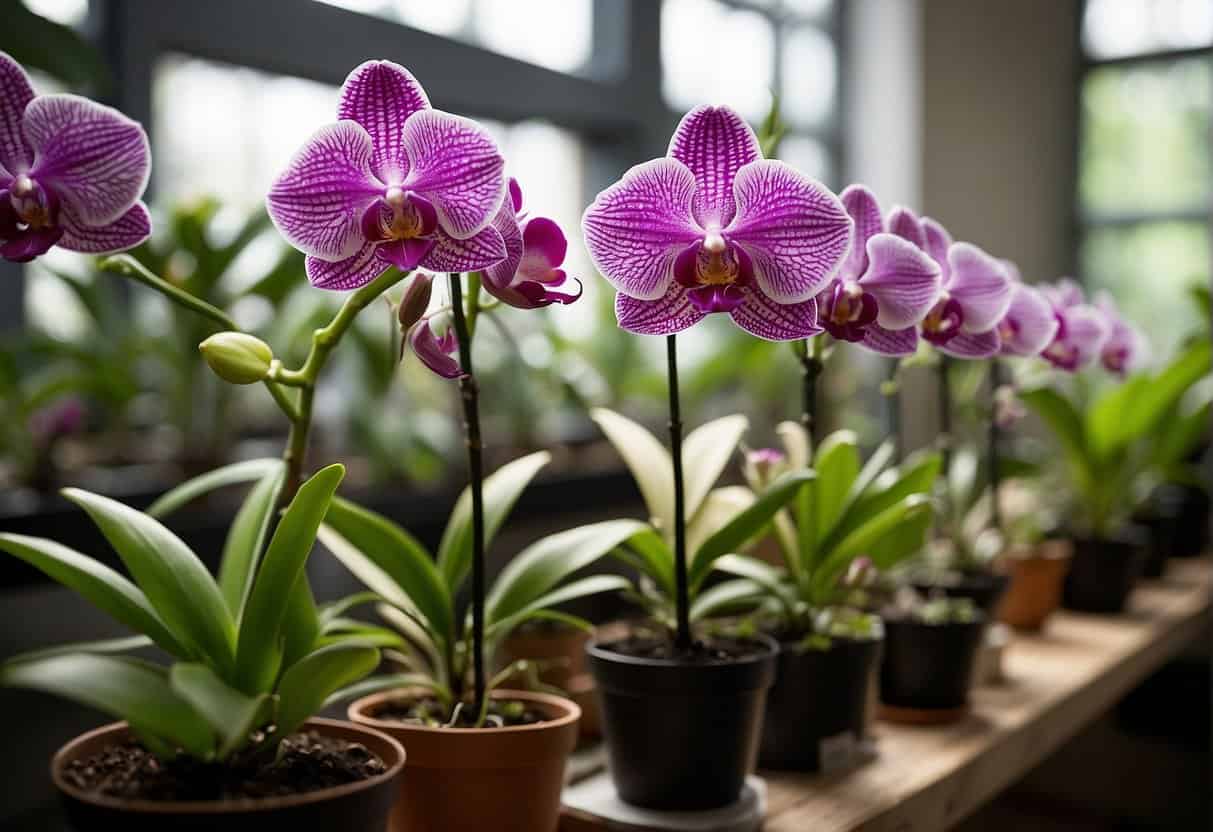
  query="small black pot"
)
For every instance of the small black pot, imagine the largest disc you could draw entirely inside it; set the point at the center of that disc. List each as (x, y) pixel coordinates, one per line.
(1103, 572)
(1191, 522)
(928, 666)
(818, 695)
(681, 735)
(984, 589)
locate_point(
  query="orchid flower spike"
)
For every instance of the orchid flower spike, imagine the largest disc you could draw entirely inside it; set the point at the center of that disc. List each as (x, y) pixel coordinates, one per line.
(1126, 349)
(714, 227)
(886, 285)
(1082, 329)
(530, 275)
(975, 296)
(391, 183)
(1029, 325)
(72, 173)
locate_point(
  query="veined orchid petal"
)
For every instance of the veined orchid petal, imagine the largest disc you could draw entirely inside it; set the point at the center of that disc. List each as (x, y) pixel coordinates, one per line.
(714, 143)
(380, 96)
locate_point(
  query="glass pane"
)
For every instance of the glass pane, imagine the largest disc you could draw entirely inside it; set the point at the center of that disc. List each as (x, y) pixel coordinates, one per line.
(695, 74)
(232, 159)
(552, 33)
(1113, 28)
(810, 72)
(1148, 268)
(1145, 137)
(807, 155)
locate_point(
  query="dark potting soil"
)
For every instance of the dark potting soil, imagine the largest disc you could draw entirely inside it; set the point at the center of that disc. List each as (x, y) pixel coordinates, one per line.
(506, 713)
(707, 651)
(305, 762)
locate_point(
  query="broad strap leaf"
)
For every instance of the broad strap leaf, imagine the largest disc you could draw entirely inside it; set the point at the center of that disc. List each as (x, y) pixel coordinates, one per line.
(649, 462)
(246, 539)
(230, 714)
(705, 452)
(234, 474)
(313, 679)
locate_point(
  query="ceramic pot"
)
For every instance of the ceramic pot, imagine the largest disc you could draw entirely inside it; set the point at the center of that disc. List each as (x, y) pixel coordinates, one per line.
(1037, 574)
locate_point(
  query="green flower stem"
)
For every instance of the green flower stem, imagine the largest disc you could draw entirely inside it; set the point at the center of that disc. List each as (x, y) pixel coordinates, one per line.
(811, 367)
(473, 307)
(682, 600)
(470, 395)
(995, 438)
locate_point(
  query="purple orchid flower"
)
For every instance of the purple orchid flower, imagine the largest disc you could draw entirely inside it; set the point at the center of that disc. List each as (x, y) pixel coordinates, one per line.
(714, 227)
(1126, 349)
(71, 173)
(1082, 330)
(436, 351)
(1030, 323)
(974, 297)
(886, 284)
(530, 274)
(391, 183)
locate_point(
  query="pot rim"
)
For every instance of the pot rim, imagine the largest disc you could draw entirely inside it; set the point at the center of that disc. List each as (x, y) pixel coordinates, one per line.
(223, 807)
(595, 649)
(1028, 552)
(358, 713)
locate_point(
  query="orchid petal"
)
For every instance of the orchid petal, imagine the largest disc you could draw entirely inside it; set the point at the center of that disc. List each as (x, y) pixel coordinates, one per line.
(15, 95)
(30, 243)
(455, 164)
(350, 273)
(863, 209)
(96, 159)
(483, 250)
(764, 318)
(794, 229)
(1064, 293)
(636, 228)
(501, 274)
(544, 249)
(980, 285)
(1030, 323)
(903, 279)
(380, 96)
(542, 294)
(671, 313)
(905, 224)
(434, 352)
(1084, 330)
(938, 243)
(405, 254)
(128, 231)
(318, 201)
(515, 198)
(714, 142)
(971, 345)
(896, 343)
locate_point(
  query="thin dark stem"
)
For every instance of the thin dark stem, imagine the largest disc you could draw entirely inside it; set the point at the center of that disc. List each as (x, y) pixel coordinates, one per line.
(682, 603)
(470, 395)
(945, 413)
(993, 451)
(893, 409)
(811, 366)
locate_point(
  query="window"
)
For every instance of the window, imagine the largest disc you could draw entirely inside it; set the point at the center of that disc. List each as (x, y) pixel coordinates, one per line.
(1144, 170)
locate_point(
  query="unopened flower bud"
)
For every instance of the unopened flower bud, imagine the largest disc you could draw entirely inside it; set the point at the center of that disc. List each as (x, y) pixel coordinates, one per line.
(762, 466)
(415, 301)
(237, 357)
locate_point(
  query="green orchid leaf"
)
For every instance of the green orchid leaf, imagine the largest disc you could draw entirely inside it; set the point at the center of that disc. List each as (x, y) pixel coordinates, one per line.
(301, 627)
(175, 581)
(647, 459)
(544, 564)
(727, 598)
(868, 538)
(260, 644)
(1065, 422)
(571, 591)
(916, 476)
(105, 645)
(313, 679)
(123, 688)
(774, 582)
(231, 715)
(246, 539)
(391, 681)
(705, 453)
(234, 474)
(400, 557)
(96, 583)
(654, 557)
(837, 464)
(502, 489)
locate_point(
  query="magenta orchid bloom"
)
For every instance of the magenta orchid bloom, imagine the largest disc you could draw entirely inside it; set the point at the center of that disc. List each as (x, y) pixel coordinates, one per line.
(975, 295)
(530, 274)
(886, 285)
(1082, 330)
(714, 227)
(391, 183)
(1126, 349)
(436, 351)
(1030, 324)
(71, 173)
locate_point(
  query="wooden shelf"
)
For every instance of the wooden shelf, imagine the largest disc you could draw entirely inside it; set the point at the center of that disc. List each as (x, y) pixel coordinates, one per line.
(925, 779)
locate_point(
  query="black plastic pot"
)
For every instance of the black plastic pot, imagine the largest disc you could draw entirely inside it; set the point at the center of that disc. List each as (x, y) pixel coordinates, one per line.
(681, 735)
(928, 667)
(984, 589)
(818, 695)
(1103, 571)
(1191, 537)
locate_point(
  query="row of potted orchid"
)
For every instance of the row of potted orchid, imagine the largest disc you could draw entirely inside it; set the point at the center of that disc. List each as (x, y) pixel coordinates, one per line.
(765, 615)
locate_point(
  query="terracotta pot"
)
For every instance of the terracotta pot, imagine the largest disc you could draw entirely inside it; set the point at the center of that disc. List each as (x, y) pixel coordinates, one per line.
(363, 805)
(563, 648)
(477, 779)
(1037, 575)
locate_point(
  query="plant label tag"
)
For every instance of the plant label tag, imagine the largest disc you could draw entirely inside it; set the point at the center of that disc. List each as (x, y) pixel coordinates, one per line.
(837, 752)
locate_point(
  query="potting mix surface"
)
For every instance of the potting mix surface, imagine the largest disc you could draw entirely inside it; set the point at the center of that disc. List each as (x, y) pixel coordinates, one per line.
(305, 762)
(706, 651)
(507, 713)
